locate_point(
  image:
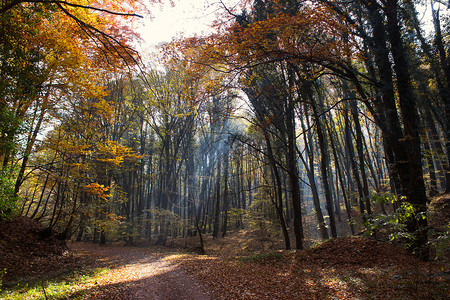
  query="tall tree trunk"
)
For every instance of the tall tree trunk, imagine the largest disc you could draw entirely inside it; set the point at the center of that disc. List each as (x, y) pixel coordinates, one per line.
(410, 167)
(324, 164)
(359, 149)
(217, 202)
(354, 167)
(278, 191)
(340, 177)
(309, 167)
(445, 65)
(225, 191)
(292, 170)
(32, 135)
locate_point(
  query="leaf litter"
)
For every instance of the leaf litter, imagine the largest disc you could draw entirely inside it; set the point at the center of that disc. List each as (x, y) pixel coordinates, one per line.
(343, 268)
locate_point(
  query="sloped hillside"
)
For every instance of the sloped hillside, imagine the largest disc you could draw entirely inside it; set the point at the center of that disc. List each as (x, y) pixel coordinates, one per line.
(28, 249)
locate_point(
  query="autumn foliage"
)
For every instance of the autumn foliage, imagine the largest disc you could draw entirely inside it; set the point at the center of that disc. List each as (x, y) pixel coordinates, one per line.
(300, 120)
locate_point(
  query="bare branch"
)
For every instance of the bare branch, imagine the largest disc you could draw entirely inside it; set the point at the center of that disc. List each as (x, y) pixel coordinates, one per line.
(11, 4)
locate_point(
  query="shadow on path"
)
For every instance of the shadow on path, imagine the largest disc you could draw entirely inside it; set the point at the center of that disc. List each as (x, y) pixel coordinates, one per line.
(136, 273)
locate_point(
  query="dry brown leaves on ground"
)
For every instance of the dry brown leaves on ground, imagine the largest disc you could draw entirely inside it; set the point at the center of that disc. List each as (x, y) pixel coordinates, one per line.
(348, 268)
(28, 249)
(136, 273)
(345, 268)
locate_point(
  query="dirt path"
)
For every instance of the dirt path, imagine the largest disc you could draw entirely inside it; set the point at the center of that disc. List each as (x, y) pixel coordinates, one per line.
(137, 273)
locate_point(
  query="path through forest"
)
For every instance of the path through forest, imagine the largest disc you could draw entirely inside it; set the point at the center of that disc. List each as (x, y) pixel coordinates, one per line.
(138, 273)
(345, 268)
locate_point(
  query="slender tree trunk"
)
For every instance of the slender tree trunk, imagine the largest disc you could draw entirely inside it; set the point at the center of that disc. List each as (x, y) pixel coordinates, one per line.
(29, 146)
(445, 66)
(354, 167)
(324, 163)
(359, 149)
(225, 192)
(217, 202)
(340, 177)
(292, 170)
(278, 191)
(309, 167)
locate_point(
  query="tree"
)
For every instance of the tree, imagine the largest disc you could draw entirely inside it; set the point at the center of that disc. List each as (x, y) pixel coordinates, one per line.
(51, 51)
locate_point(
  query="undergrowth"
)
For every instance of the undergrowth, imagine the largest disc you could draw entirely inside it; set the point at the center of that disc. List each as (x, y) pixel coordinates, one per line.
(262, 258)
(54, 286)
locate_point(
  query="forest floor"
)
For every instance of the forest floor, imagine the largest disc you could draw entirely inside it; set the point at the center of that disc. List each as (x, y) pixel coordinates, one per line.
(36, 266)
(245, 264)
(344, 268)
(137, 273)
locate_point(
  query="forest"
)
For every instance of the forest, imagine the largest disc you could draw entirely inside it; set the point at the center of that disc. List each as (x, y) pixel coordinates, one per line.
(305, 120)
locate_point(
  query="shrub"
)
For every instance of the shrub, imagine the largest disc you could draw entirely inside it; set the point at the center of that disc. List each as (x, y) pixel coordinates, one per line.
(262, 258)
(8, 200)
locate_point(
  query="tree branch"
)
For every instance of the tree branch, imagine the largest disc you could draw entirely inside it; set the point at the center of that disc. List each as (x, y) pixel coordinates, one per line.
(10, 5)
